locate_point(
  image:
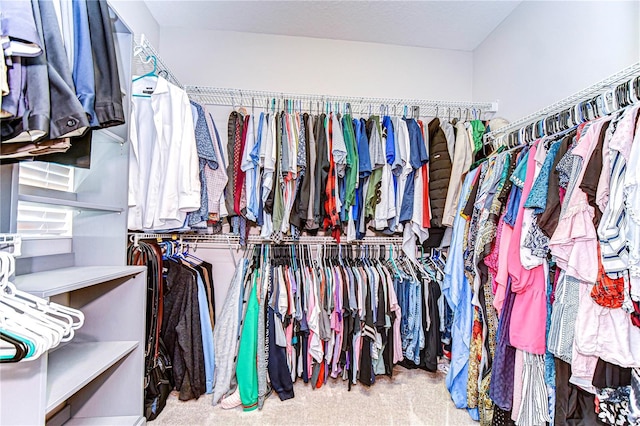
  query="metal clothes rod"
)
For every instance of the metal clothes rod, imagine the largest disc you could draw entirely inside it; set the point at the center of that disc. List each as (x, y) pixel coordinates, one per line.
(143, 50)
(316, 102)
(570, 101)
(234, 240)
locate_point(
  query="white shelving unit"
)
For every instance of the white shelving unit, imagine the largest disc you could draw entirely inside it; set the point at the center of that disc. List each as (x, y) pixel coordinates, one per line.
(98, 377)
(99, 374)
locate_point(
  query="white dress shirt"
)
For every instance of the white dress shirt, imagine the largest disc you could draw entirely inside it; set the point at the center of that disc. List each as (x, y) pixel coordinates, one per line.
(164, 183)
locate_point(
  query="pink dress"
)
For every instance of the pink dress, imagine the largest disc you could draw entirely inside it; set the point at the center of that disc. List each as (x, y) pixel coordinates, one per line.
(529, 315)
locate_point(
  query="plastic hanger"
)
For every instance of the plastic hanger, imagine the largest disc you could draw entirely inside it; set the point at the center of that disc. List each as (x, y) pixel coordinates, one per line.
(58, 314)
(151, 73)
(19, 346)
(631, 90)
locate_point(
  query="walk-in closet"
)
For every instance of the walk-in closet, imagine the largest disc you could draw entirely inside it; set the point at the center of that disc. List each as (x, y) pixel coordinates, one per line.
(320, 212)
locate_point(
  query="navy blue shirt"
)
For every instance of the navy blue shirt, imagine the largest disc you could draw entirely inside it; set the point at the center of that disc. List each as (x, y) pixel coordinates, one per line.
(364, 160)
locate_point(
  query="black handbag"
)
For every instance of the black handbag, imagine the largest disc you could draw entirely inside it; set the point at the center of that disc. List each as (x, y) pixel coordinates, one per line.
(158, 384)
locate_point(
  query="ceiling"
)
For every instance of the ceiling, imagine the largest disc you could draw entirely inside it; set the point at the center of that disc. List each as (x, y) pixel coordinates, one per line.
(453, 24)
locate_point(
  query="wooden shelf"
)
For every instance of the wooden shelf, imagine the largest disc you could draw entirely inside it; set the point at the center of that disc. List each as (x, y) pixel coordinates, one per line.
(75, 365)
(58, 281)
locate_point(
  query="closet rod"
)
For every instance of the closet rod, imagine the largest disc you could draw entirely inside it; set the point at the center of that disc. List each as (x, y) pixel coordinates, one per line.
(257, 98)
(143, 50)
(230, 239)
(570, 101)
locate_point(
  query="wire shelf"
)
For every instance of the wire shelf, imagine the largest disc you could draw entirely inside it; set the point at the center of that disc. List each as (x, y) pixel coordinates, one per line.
(143, 51)
(570, 101)
(316, 102)
(226, 240)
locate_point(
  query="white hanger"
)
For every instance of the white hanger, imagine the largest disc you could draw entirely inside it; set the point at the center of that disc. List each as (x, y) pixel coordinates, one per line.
(42, 323)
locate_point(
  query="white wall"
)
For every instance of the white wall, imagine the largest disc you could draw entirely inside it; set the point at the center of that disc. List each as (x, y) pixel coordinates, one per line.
(548, 50)
(137, 16)
(311, 65)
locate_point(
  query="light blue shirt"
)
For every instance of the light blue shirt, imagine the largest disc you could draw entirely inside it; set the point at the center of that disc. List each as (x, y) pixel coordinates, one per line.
(457, 291)
(254, 156)
(207, 334)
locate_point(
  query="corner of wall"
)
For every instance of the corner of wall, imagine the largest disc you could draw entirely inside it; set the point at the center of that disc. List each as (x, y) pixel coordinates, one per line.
(138, 17)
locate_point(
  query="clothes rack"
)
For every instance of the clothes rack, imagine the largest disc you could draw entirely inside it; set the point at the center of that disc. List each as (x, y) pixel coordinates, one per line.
(583, 95)
(359, 105)
(230, 240)
(341, 315)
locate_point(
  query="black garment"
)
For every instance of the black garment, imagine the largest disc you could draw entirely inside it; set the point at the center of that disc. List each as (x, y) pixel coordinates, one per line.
(79, 155)
(501, 417)
(609, 375)
(387, 353)
(439, 173)
(574, 406)
(548, 219)
(181, 330)
(591, 176)
(322, 169)
(433, 346)
(468, 208)
(277, 367)
(108, 104)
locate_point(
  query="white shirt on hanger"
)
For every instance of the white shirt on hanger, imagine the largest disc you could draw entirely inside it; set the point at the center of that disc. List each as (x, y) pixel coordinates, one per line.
(164, 183)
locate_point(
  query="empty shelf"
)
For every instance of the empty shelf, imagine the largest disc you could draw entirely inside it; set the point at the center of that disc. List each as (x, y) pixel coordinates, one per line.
(74, 366)
(69, 204)
(57, 281)
(105, 421)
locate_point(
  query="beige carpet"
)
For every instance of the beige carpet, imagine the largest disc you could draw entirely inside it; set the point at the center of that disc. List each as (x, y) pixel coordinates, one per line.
(411, 397)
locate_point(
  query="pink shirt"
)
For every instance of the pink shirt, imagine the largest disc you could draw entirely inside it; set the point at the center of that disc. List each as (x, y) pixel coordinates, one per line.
(529, 315)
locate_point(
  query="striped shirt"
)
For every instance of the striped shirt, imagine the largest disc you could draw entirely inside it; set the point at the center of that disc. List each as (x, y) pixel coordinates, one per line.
(612, 230)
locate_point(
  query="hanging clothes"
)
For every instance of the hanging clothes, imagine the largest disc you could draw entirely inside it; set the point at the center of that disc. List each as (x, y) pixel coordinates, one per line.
(61, 78)
(164, 183)
(541, 245)
(338, 314)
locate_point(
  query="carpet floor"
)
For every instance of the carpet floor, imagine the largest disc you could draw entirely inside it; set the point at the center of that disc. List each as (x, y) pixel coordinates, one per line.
(411, 397)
